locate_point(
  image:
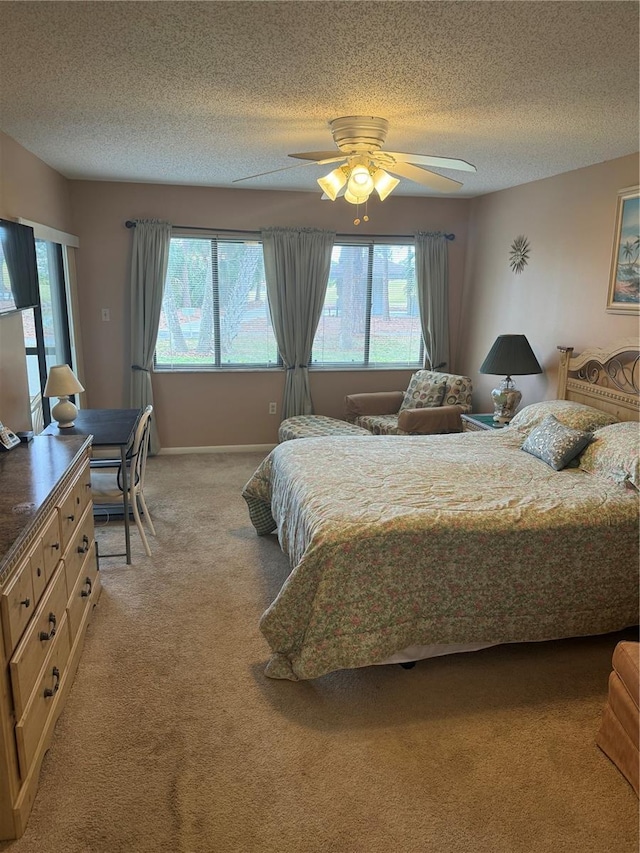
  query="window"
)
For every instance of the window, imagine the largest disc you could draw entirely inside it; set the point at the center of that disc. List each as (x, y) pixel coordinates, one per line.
(215, 312)
(371, 315)
(47, 327)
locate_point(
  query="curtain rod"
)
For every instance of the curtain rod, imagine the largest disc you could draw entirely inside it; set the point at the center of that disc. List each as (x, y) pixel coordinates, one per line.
(130, 224)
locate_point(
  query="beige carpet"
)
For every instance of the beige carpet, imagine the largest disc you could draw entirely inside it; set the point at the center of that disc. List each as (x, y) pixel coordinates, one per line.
(173, 740)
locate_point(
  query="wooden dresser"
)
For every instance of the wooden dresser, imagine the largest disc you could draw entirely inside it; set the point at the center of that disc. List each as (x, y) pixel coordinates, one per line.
(48, 585)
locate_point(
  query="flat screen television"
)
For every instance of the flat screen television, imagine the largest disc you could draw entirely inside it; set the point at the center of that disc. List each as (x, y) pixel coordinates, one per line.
(18, 269)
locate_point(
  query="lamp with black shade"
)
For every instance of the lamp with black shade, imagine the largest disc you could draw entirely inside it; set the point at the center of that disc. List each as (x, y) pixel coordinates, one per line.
(510, 355)
(62, 382)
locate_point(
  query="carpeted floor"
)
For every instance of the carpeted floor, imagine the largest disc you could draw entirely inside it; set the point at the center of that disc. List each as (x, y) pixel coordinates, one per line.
(173, 739)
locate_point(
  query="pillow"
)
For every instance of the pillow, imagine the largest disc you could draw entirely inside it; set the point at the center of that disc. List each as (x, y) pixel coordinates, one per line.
(574, 415)
(555, 443)
(458, 393)
(425, 390)
(614, 453)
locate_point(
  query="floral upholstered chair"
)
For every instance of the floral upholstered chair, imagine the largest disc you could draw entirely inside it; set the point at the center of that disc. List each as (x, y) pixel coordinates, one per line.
(432, 403)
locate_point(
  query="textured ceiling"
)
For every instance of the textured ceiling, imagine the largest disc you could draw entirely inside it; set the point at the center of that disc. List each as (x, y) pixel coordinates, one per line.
(204, 93)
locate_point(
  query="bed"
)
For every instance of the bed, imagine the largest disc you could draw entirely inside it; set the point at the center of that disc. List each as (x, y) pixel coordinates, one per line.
(404, 547)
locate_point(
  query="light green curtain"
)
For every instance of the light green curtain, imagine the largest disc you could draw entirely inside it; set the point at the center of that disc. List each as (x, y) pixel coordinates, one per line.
(149, 260)
(432, 277)
(296, 263)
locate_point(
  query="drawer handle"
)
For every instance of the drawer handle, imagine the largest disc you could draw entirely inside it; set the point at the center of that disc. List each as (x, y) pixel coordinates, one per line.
(82, 549)
(52, 632)
(71, 518)
(55, 546)
(86, 592)
(49, 691)
(26, 602)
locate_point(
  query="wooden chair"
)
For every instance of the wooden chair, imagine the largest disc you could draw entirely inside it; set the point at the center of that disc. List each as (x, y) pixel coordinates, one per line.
(106, 479)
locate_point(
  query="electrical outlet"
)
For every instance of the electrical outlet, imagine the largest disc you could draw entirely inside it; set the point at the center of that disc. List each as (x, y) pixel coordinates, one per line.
(106, 315)
(272, 408)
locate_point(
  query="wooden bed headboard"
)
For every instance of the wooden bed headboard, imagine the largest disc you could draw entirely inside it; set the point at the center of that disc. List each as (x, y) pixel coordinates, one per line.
(607, 379)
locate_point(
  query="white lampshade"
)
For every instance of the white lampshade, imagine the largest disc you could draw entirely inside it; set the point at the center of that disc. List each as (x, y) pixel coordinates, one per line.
(333, 182)
(360, 181)
(61, 382)
(384, 183)
(355, 199)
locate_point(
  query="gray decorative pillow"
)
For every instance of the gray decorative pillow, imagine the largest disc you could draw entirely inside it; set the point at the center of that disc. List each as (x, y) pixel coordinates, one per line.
(426, 389)
(555, 443)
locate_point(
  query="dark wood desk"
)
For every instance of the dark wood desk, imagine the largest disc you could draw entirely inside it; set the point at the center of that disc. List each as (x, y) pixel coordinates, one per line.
(109, 428)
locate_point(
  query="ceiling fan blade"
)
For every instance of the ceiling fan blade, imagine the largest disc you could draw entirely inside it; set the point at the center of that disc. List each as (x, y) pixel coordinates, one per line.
(319, 155)
(339, 194)
(295, 166)
(425, 177)
(428, 160)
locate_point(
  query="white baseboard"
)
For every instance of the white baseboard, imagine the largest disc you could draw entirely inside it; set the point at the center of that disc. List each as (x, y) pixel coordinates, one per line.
(224, 448)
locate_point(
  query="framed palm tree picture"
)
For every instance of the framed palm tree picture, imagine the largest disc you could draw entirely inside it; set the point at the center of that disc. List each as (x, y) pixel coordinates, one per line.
(624, 283)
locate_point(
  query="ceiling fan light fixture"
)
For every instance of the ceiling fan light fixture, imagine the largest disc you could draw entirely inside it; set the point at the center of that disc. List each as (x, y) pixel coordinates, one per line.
(360, 140)
(332, 183)
(384, 183)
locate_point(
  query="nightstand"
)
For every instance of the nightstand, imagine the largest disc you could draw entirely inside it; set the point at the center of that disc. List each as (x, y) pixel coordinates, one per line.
(477, 423)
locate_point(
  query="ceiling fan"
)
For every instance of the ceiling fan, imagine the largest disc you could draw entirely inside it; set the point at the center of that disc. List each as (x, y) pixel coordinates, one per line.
(366, 167)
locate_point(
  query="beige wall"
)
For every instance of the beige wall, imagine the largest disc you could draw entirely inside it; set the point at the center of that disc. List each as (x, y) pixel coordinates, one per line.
(32, 190)
(224, 408)
(560, 297)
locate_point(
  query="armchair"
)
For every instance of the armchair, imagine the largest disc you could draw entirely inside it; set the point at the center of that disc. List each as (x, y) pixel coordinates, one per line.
(432, 403)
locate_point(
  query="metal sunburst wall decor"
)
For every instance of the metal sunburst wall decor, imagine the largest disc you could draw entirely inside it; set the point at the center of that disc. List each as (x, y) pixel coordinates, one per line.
(519, 254)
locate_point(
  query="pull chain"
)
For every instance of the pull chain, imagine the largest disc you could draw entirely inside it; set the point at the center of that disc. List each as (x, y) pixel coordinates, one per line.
(365, 218)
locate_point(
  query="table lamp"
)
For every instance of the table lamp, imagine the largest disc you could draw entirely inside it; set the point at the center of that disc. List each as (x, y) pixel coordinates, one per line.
(62, 382)
(509, 355)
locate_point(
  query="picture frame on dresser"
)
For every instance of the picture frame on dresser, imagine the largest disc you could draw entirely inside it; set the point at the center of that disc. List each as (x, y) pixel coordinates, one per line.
(624, 279)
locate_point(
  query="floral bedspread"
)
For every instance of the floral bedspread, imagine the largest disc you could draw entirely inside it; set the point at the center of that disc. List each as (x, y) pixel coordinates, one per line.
(412, 540)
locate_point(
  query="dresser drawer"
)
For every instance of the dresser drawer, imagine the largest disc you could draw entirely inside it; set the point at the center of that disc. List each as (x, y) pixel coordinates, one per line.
(73, 504)
(51, 545)
(39, 574)
(80, 545)
(69, 515)
(17, 605)
(33, 721)
(29, 657)
(84, 595)
(83, 489)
